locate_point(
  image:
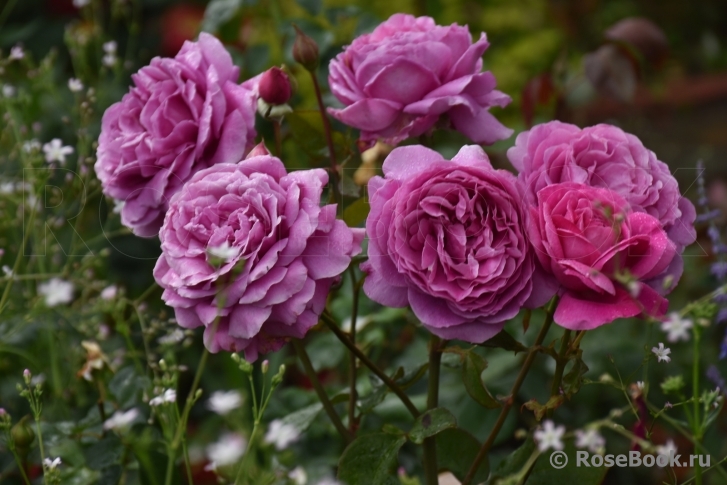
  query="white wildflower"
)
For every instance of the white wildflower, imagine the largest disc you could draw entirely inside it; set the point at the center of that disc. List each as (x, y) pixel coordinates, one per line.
(56, 291)
(109, 293)
(668, 449)
(173, 337)
(662, 353)
(121, 420)
(224, 402)
(549, 436)
(52, 464)
(75, 85)
(56, 152)
(590, 439)
(31, 146)
(8, 90)
(168, 396)
(119, 206)
(676, 327)
(227, 451)
(16, 53)
(298, 476)
(281, 434)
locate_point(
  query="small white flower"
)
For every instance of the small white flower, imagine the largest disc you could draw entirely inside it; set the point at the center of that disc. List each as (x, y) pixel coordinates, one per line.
(590, 439)
(281, 434)
(676, 327)
(109, 293)
(31, 145)
(119, 206)
(224, 251)
(109, 60)
(328, 481)
(6, 269)
(16, 53)
(222, 402)
(173, 337)
(169, 395)
(81, 3)
(8, 90)
(667, 449)
(640, 385)
(211, 467)
(227, 451)
(662, 353)
(56, 152)
(298, 475)
(549, 436)
(56, 291)
(110, 47)
(52, 464)
(75, 85)
(121, 420)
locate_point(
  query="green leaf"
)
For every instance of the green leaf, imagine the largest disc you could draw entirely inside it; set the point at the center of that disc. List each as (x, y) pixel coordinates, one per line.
(370, 459)
(356, 213)
(472, 368)
(545, 474)
(127, 385)
(514, 462)
(574, 378)
(104, 453)
(302, 418)
(430, 423)
(456, 451)
(312, 6)
(218, 13)
(504, 340)
(540, 409)
(110, 475)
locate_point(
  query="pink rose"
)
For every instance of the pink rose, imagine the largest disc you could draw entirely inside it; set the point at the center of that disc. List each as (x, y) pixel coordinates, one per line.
(184, 114)
(448, 238)
(409, 73)
(606, 156)
(251, 243)
(600, 252)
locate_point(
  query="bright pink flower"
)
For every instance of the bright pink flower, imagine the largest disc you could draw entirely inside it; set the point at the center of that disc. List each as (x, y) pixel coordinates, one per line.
(600, 252)
(409, 73)
(448, 238)
(251, 243)
(184, 114)
(606, 156)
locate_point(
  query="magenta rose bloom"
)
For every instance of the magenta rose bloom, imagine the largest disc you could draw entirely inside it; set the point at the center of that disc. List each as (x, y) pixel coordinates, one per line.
(606, 156)
(184, 114)
(251, 243)
(600, 252)
(448, 238)
(409, 73)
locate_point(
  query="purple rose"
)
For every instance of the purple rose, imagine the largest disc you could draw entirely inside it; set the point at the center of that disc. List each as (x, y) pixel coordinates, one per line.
(605, 156)
(251, 243)
(399, 80)
(600, 252)
(184, 114)
(448, 238)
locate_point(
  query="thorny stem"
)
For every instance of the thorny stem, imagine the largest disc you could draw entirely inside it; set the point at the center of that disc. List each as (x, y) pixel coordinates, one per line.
(368, 363)
(329, 139)
(311, 373)
(482, 454)
(560, 364)
(430, 444)
(352, 395)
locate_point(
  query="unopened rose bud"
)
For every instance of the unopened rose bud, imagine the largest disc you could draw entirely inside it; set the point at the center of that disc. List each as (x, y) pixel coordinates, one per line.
(305, 50)
(275, 86)
(23, 436)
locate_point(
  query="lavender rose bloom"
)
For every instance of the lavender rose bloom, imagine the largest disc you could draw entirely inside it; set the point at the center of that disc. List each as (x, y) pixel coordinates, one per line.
(252, 242)
(448, 238)
(184, 114)
(402, 78)
(600, 252)
(606, 156)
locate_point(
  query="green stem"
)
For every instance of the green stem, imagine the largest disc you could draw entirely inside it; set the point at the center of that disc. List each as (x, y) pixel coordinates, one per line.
(484, 450)
(187, 465)
(329, 139)
(697, 423)
(368, 363)
(21, 467)
(327, 405)
(560, 363)
(430, 444)
(248, 452)
(352, 394)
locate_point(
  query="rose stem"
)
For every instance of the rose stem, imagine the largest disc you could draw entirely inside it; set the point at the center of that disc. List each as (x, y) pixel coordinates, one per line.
(430, 444)
(278, 139)
(560, 364)
(329, 138)
(311, 373)
(352, 395)
(367, 362)
(513, 393)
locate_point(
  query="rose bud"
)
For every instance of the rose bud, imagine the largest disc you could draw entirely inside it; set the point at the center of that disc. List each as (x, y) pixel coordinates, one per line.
(275, 86)
(305, 50)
